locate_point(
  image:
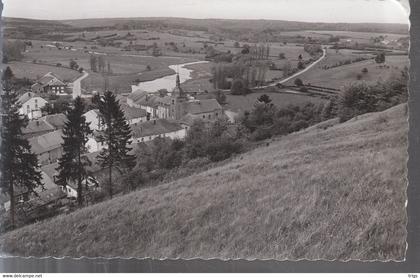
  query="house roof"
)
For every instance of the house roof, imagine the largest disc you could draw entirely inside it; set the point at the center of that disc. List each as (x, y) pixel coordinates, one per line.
(202, 106)
(137, 95)
(27, 96)
(50, 169)
(132, 112)
(48, 77)
(37, 126)
(93, 111)
(56, 120)
(154, 127)
(46, 142)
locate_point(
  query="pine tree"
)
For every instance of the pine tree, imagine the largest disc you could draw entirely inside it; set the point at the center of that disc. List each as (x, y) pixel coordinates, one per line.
(72, 165)
(116, 137)
(18, 164)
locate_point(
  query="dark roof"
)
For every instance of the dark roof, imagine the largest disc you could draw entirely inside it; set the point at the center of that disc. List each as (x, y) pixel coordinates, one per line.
(48, 77)
(202, 106)
(46, 142)
(132, 112)
(137, 95)
(154, 127)
(50, 169)
(56, 120)
(37, 126)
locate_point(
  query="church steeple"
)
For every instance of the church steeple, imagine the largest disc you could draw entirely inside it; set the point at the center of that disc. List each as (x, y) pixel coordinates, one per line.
(178, 90)
(178, 82)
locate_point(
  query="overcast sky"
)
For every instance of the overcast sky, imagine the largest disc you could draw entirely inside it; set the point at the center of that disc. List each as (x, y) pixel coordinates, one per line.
(380, 11)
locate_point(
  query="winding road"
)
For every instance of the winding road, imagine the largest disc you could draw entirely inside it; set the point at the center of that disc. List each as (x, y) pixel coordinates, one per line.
(324, 54)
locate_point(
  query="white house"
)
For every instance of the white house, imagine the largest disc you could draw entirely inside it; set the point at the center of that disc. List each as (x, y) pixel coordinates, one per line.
(31, 105)
(93, 145)
(94, 120)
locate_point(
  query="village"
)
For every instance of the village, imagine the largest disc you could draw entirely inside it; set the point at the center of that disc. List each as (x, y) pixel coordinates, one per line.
(177, 137)
(150, 116)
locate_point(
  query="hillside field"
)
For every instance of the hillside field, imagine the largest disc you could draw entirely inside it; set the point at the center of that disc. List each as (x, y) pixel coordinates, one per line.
(331, 191)
(338, 77)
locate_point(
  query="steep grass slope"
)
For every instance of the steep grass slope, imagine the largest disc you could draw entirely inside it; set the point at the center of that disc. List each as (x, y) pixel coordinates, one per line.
(327, 192)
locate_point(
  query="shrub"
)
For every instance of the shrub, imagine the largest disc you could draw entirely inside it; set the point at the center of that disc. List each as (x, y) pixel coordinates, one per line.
(298, 82)
(365, 70)
(238, 87)
(303, 89)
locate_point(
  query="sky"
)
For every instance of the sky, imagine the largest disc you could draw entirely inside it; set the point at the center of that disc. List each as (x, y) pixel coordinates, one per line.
(380, 11)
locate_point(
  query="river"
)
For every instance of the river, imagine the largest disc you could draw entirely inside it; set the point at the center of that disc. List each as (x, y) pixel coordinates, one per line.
(167, 82)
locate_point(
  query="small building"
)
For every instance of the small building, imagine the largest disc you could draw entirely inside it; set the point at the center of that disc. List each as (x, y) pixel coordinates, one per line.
(205, 109)
(94, 119)
(133, 98)
(134, 115)
(70, 190)
(44, 125)
(157, 128)
(48, 193)
(48, 147)
(31, 105)
(57, 121)
(50, 84)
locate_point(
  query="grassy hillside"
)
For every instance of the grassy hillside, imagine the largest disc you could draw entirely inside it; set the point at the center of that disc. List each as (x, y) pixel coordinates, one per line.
(332, 191)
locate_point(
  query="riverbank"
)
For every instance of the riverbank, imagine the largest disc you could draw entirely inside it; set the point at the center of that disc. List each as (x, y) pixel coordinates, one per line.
(168, 82)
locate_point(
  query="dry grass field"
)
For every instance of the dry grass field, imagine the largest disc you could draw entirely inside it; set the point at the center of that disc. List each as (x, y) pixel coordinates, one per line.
(340, 76)
(240, 103)
(34, 71)
(334, 191)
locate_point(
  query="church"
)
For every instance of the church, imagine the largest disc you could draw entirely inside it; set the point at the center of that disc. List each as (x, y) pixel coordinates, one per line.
(177, 105)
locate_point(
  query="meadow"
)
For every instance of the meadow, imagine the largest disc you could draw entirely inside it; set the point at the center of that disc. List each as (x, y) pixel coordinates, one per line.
(241, 103)
(35, 71)
(339, 77)
(333, 191)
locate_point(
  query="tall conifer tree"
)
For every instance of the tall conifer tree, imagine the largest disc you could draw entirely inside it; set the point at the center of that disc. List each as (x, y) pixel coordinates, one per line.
(116, 137)
(72, 165)
(19, 168)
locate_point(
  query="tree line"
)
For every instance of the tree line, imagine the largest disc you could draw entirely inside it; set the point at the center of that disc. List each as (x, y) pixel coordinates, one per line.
(98, 63)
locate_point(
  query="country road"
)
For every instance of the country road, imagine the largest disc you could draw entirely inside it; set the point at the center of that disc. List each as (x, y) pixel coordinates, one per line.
(77, 86)
(297, 73)
(292, 76)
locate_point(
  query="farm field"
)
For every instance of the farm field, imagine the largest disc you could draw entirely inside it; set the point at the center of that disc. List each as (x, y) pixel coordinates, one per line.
(341, 76)
(34, 71)
(333, 191)
(238, 103)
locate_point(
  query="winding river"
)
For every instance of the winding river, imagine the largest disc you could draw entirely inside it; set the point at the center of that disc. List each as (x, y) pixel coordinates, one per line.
(167, 82)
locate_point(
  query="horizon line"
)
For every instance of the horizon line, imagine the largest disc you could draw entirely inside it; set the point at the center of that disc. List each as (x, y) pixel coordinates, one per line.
(211, 18)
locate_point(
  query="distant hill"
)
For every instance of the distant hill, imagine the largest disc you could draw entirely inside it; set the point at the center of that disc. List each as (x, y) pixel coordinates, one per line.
(331, 191)
(203, 24)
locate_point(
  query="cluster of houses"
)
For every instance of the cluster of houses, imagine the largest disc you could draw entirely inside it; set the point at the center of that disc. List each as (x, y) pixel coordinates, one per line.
(150, 115)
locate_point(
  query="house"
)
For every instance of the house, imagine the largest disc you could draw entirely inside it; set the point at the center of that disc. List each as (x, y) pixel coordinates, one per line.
(46, 194)
(48, 146)
(205, 109)
(94, 120)
(133, 98)
(134, 115)
(31, 105)
(44, 125)
(157, 128)
(57, 121)
(70, 190)
(50, 84)
(176, 106)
